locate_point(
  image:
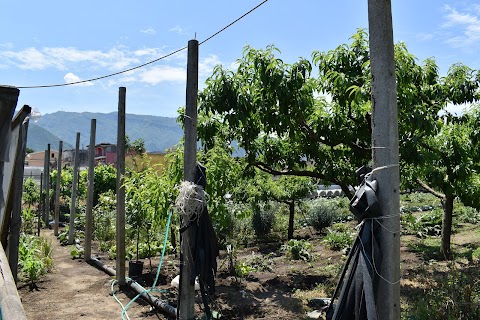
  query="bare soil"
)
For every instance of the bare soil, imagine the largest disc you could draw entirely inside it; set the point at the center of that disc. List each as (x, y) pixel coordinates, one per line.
(77, 290)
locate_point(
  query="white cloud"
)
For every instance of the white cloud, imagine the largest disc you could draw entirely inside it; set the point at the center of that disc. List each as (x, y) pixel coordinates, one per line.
(206, 65)
(160, 74)
(71, 78)
(424, 36)
(177, 30)
(149, 30)
(31, 58)
(467, 25)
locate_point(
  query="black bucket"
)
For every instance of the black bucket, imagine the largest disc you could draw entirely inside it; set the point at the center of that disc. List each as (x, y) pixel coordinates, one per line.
(135, 268)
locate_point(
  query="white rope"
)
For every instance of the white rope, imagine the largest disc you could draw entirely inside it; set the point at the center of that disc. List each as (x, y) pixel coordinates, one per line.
(190, 202)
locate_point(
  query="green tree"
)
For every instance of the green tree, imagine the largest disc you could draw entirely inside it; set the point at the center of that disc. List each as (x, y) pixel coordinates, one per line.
(282, 118)
(31, 192)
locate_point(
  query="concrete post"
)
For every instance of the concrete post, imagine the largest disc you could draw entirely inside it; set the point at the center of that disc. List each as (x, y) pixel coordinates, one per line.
(91, 178)
(120, 228)
(385, 154)
(186, 310)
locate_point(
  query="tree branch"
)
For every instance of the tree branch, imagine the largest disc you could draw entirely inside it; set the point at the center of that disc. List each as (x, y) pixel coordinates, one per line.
(430, 190)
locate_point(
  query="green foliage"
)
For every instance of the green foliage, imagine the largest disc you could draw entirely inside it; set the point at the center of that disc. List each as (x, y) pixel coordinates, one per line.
(338, 237)
(298, 250)
(31, 192)
(105, 179)
(242, 269)
(35, 257)
(322, 213)
(28, 221)
(76, 253)
(105, 217)
(263, 219)
(428, 224)
(454, 296)
(476, 255)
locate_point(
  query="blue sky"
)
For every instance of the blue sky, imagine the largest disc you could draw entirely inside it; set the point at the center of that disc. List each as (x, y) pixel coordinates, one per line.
(54, 42)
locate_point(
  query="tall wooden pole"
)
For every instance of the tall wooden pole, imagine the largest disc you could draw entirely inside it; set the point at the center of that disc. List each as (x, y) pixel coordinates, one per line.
(385, 154)
(73, 204)
(120, 228)
(40, 206)
(46, 176)
(57, 188)
(91, 178)
(186, 310)
(20, 127)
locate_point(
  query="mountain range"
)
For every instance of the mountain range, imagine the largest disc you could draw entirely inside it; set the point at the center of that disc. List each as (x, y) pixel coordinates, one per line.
(159, 133)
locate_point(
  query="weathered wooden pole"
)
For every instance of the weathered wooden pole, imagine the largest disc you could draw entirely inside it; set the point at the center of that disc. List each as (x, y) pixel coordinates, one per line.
(73, 204)
(120, 227)
(40, 206)
(19, 131)
(57, 188)
(91, 178)
(46, 189)
(385, 155)
(8, 102)
(186, 310)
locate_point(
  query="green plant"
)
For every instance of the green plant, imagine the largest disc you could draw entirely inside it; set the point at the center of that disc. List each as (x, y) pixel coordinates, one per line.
(338, 238)
(35, 257)
(476, 255)
(263, 219)
(31, 192)
(28, 221)
(242, 269)
(298, 250)
(454, 295)
(76, 253)
(322, 213)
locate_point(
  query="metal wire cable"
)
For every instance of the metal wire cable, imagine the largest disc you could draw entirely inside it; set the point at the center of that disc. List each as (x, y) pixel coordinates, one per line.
(147, 63)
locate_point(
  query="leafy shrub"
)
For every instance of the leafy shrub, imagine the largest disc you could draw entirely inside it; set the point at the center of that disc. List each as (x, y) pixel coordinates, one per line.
(263, 219)
(322, 213)
(35, 257)
(105, 217)
(338, 237)
(467, 214)
(298, 250)
(28, 221)
(428, 224)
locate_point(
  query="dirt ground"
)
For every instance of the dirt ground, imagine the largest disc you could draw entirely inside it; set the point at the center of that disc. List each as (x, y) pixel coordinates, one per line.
(77, 290)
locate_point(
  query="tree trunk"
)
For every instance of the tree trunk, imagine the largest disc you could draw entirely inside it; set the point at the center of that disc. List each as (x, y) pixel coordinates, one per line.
(445, 252)
(291, 206)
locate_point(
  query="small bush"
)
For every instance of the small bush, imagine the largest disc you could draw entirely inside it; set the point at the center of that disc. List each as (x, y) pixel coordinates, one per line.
(338, 237)
(428, 224)
(35, 257)
(263, 219)
(322, 213)
(298, 250)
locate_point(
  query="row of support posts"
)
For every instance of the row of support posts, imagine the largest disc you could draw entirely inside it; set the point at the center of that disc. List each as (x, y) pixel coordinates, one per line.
(384, 154)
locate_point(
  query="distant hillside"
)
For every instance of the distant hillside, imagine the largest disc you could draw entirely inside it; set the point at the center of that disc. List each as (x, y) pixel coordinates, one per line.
(159, 133)
(38, 138)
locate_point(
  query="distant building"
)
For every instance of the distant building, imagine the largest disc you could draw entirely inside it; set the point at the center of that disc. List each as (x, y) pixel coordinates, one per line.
(106, 153)
(37, 159)
(68, 157)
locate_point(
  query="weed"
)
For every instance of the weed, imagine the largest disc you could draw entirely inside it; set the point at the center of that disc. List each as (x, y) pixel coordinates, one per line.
(298, 250)
(338, 237)
(35, 257)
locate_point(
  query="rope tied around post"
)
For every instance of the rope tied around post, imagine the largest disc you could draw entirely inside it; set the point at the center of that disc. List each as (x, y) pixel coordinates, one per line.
(190, 202)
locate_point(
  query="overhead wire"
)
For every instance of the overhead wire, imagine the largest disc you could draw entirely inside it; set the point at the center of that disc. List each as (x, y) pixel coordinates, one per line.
(149, 62)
